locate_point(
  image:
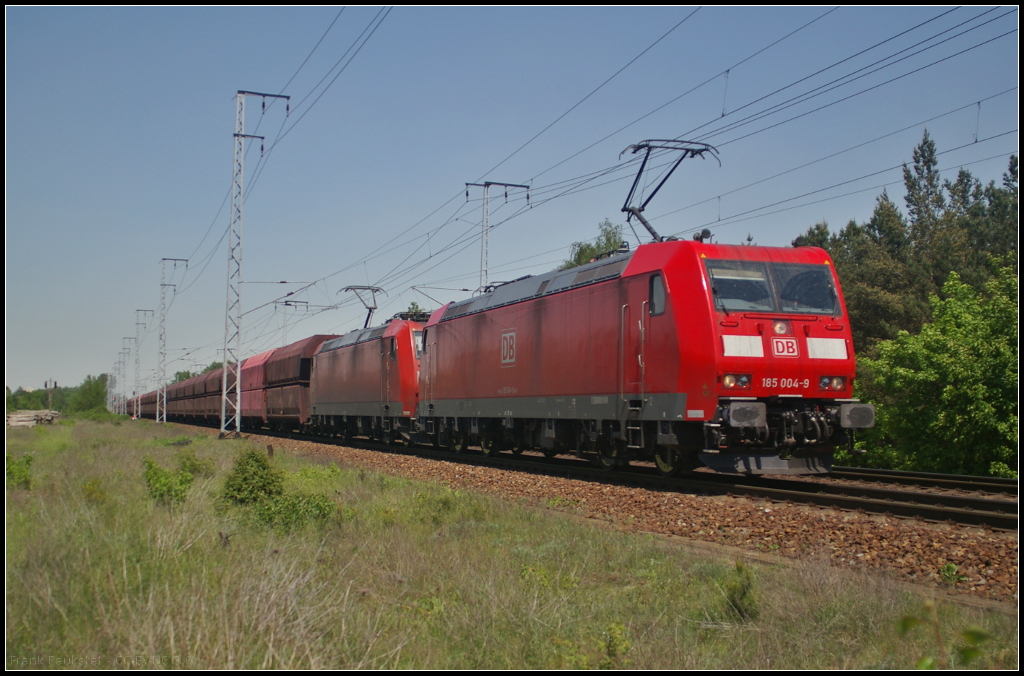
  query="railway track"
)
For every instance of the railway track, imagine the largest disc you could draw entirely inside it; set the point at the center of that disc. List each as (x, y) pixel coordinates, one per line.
(939, 508)
(980, 484)
(965, 510)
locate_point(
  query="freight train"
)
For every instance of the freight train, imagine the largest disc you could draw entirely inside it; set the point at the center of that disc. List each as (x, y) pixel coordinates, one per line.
(684, 353)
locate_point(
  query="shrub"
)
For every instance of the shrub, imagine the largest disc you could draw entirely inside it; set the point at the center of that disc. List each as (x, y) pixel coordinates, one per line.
(188, 462)
(739, 592)
(163, 485)
(293, 510)
(93, 492)
(19, 472)
(253, 480)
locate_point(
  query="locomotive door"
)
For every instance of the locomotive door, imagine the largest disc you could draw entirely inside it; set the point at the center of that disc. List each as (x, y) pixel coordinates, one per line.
(429, 369)
(633, 326)
(385, 379)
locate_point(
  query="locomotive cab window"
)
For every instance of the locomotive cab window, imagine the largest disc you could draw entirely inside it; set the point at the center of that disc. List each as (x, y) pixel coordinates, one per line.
(763, 286)
(419, 339)
(740, 285)
(394, 350)
(806, 289)
(657, 295)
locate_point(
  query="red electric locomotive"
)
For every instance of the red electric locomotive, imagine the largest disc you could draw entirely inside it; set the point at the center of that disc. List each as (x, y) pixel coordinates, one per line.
(366, 382)
(688, 353)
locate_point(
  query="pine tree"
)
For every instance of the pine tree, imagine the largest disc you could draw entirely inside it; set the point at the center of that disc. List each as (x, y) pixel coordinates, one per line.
(925, 202)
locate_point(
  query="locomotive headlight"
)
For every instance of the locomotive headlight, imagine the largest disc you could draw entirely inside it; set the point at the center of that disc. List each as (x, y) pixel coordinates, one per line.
(836, 383)
(736, 381)
(781, 328)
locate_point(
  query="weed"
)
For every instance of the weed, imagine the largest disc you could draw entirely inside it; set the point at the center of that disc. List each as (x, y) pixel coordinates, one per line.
(950, 574)
(293, 510)
(99, 415)
(568, 654)
(253, 480)
(163, 485)
(558, 502)
(188, 462)
(970, 648)
(615, 647)
(93, 492)
(386, 516)
(434, 507)
(608, 652)
(538, 574)
(386, 482)
(318, 473)
(183, 440)
(430, 605)
(19, 472)
(739, 592)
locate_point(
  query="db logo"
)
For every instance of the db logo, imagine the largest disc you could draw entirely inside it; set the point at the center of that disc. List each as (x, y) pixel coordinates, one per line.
(508, 347)
(785, 347)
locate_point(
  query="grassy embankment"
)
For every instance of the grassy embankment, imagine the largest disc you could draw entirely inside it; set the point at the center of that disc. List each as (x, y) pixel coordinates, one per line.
(390, 573)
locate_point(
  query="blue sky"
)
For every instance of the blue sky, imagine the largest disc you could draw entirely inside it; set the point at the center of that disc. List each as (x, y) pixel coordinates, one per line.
(119, 150)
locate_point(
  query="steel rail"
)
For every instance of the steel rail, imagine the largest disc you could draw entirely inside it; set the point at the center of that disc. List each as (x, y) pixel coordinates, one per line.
(928, 479)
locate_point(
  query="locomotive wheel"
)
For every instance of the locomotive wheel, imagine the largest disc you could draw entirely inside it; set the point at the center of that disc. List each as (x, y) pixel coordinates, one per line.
(460, 442)
(583, 443)
(489, 446)
(668, 461)
(608, 456)
(606, 460)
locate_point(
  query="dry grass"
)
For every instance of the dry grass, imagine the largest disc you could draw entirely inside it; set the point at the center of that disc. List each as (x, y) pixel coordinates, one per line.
(401, 575)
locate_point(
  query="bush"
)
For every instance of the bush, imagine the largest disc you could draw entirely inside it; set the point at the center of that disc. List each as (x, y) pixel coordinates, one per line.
(19, 472)
(94, 493)
(188, 462)
(163, 485)
(739, 593)
(96, 415)
(293, 510)
(253, 480)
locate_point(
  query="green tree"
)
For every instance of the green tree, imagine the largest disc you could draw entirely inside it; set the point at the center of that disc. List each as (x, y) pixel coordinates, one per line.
(582, 253)
(90, 396)
(24, 400)
(885, 291)
(925, 201)
(212, 367)
(891, 265)
(998, 234)
(182, 376)
(817, 235)
(948, 396)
